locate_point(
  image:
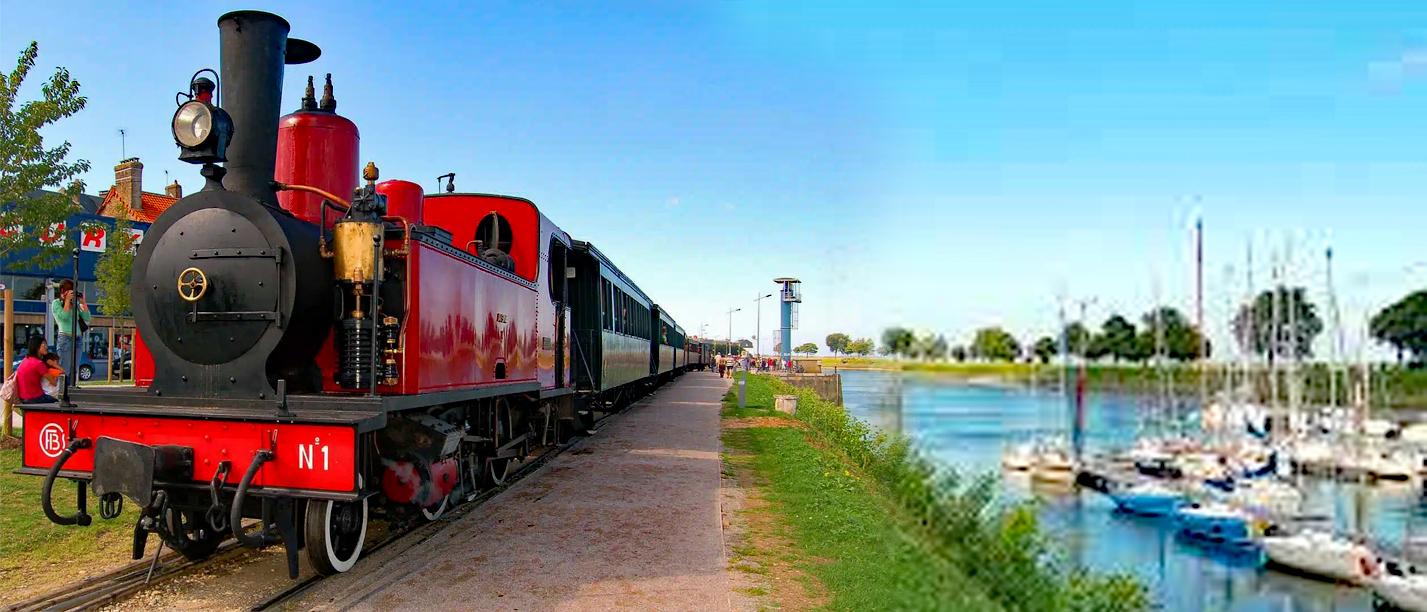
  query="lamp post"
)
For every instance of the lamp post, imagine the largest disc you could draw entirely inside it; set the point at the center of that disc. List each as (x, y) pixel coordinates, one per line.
(758, 327)
(730, 327)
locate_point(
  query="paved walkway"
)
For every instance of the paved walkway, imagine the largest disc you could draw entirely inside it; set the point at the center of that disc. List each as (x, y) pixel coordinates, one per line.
(627, 519)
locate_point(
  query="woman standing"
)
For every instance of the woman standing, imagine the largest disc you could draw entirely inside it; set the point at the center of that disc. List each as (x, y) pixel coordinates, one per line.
(63, 309)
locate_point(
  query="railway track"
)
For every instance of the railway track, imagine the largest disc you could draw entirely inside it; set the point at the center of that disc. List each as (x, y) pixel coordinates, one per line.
(122, 582)
(415, 536)
(129, 579)
(125, 581)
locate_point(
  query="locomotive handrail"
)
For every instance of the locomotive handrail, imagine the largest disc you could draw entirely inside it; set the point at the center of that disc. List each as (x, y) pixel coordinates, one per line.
(310, 189)
(80, 517)
(405, 236)
(235, 513)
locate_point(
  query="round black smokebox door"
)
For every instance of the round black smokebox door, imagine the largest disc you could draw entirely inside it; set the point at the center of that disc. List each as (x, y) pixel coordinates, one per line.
(240, 279)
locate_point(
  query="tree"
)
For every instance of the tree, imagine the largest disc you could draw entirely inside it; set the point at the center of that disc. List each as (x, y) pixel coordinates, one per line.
(927, 346)
(937, 348)
(806, 348)
(959, 353)
(897, 341)
(748, 344)
(995, 344)
(1117, 340)
(861, 347)
(1045, 348)
(27, 166)
(1180, 340)
(1077, 338)
(837, 342)
(115, 266)
(1403, 325)
(1269, 326)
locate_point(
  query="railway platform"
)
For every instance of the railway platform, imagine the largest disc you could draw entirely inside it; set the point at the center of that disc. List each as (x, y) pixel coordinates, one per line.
(626, 519)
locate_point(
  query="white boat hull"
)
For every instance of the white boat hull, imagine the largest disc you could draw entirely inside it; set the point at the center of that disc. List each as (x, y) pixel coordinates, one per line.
(1404, 592)
(1323, 557)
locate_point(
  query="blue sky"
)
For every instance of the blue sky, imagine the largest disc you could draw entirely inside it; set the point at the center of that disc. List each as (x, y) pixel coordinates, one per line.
(943, 168)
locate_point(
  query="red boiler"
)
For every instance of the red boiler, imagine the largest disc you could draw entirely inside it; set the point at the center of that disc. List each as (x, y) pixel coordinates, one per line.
(403, 199)
(316, 147)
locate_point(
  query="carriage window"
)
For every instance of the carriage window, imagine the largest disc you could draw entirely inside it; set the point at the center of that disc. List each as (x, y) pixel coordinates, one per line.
(606, 305)
(492, 241)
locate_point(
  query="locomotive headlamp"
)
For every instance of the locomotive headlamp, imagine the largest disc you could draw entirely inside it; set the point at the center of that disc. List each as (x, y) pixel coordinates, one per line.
(200, 128)
(192, 124)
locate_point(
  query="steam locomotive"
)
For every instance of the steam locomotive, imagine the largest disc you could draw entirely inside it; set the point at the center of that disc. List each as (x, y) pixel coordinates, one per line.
(313, 351)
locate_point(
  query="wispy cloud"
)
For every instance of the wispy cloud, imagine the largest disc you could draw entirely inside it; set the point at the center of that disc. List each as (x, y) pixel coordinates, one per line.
(673, 202)
(1392, 74)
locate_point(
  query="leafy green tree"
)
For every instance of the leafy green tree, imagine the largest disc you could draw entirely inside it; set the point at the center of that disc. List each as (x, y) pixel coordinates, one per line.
(1077, 338)
(1265, 323)
(1181, 341)
(1045, 348)
(26, 166)
(959, 353)
(861, 347)
(937, 348)
(806, 348)
(995, 344)
(1117, 340)
(897, 341)
(115, 266)
(837, 342)
(1403, 325)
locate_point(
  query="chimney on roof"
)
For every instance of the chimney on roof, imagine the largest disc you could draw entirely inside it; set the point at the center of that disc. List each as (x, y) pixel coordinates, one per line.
(174, 191)
(129, 184)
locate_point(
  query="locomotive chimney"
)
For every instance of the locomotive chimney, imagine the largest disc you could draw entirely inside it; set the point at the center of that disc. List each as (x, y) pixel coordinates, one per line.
(254, 47)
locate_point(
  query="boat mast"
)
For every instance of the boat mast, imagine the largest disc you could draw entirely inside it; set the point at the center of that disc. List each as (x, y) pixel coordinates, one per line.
(1199, 312)
(1337, 356)
(1275, 298)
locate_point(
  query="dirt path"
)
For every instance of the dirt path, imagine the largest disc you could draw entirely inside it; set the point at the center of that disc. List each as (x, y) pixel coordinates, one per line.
(628, 519)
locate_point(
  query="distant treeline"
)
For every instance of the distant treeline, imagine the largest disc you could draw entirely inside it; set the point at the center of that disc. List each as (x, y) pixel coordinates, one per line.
(1276, 325)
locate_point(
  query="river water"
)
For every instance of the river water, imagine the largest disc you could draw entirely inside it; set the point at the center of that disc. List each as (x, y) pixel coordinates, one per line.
(966, 426)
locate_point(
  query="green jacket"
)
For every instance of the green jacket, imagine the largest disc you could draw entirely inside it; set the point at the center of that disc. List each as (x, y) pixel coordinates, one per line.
(65, 320)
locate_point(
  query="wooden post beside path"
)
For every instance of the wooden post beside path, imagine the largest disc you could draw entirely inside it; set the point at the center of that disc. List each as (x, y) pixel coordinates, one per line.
(6, 428)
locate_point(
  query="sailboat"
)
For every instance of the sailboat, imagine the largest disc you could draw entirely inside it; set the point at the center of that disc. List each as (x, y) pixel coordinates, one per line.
(1323, 555)
(1216, 523)
(1019, 458)
(1148, 499)
(1401, 587)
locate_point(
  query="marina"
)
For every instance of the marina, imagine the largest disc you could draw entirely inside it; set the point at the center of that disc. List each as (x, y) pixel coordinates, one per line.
(969, 427)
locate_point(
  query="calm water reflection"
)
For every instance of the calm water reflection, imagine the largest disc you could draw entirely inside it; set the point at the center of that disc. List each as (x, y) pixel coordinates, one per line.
(967, 426)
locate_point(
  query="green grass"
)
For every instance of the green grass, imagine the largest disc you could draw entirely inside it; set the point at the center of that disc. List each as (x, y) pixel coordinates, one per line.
(881, 528)
(843, 535)
(35, 553)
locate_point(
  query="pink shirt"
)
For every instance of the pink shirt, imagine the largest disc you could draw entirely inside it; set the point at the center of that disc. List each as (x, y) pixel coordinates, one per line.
(28, 377)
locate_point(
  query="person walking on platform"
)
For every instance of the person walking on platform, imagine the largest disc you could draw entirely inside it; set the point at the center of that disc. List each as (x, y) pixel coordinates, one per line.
(63, 309)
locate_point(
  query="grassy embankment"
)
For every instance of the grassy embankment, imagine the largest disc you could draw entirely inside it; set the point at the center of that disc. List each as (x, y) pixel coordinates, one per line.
(1392, 386)
(873, 525)
(37, 555)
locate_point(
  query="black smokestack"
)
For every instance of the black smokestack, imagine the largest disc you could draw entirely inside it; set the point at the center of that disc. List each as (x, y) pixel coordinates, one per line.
(254, 47)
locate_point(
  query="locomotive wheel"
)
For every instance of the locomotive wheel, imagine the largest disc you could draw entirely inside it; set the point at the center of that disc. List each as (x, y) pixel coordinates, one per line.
(334, 533)
(497, 470)
(190, 535)
(440, 509)
(453, 416)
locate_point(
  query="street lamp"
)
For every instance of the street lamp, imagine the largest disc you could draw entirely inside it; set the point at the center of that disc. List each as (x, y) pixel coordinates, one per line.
(730, 328)
(758, 326)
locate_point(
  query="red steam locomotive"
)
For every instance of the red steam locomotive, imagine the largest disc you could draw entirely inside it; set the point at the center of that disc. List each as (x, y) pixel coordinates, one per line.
(313, 349)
